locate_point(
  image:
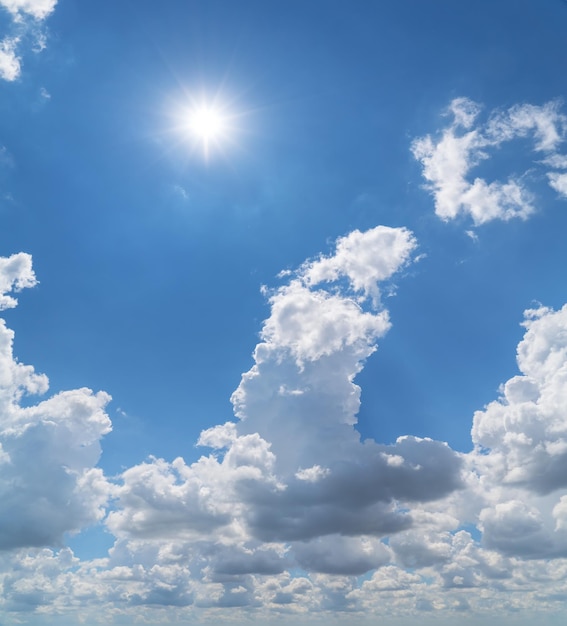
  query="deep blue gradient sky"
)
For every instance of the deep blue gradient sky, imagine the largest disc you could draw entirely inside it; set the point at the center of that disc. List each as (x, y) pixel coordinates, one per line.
(151, 259)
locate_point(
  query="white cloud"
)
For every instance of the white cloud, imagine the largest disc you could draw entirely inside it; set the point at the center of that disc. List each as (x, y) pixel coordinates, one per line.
(449, 160)
(289, 486)
(517, 529)
(525, 429)
(312, 474)
(364, 259)
(9, 60)
(558, 161)
(519, 462)
(260, 497)
(558, 182)
(16, 273)
(38, 9)
(61, 490)
(27, 17)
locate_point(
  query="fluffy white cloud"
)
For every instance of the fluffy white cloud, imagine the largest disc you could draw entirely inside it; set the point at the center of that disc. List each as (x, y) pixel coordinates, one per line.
(290, 507)
(448, 160)
(27, 16)
(526, 429)
(16, 273)
(520, 458)
(61, 490)
(38, 9)
(9, 61)
(365, 259)
(259, 505)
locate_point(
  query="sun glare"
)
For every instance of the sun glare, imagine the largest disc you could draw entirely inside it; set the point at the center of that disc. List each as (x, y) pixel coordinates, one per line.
(208, 126)
(207, 123)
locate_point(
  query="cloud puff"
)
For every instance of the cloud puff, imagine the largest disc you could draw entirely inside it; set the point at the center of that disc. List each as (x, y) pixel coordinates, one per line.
(526, 429)
(38, 9)
(16, 273)
(520, 456)
(9, 60)
(61, 490)
(557, 180)
(448, 160)
(27, 16)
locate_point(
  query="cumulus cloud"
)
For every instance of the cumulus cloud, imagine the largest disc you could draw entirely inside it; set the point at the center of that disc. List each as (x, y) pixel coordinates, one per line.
(520, 456)
(16, 273)
(526, 430)
(289, 507)
(61, 490)
(449, 159)
(335, 554)
(269, 503)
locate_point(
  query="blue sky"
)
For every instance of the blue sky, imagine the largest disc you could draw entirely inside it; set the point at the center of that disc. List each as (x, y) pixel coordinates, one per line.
(313, 372)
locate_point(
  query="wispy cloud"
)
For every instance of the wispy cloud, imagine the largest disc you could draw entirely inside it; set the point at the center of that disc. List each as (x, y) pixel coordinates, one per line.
(26, 17)
(38, 9)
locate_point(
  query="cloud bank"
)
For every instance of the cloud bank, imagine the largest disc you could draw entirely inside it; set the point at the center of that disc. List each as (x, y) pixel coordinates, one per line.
(288, 511)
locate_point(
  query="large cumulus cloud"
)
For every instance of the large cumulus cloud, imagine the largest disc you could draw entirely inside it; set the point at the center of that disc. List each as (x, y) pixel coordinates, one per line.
(520, 455)
(49, 484)
(293, 468)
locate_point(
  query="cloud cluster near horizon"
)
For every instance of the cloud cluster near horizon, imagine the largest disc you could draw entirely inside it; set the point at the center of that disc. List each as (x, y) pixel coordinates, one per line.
(25, 32)
(288, 507)
(449, 159)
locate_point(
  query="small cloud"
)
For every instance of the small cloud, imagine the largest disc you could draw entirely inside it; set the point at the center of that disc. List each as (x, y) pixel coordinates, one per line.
(40, 42)
(9, 60)
(6, 159)
(558, 182)
(312, 474)
(180, 192)
(27, 16)
(449, 159)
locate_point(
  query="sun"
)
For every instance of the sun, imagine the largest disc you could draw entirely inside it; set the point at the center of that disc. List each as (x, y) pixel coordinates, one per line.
(208, 125)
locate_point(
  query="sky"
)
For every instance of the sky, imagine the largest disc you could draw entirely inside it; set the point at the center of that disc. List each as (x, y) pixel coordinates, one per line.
(284, 312)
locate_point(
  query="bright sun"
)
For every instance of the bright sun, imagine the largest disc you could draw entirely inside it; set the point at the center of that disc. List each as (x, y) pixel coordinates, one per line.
(208, 125)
